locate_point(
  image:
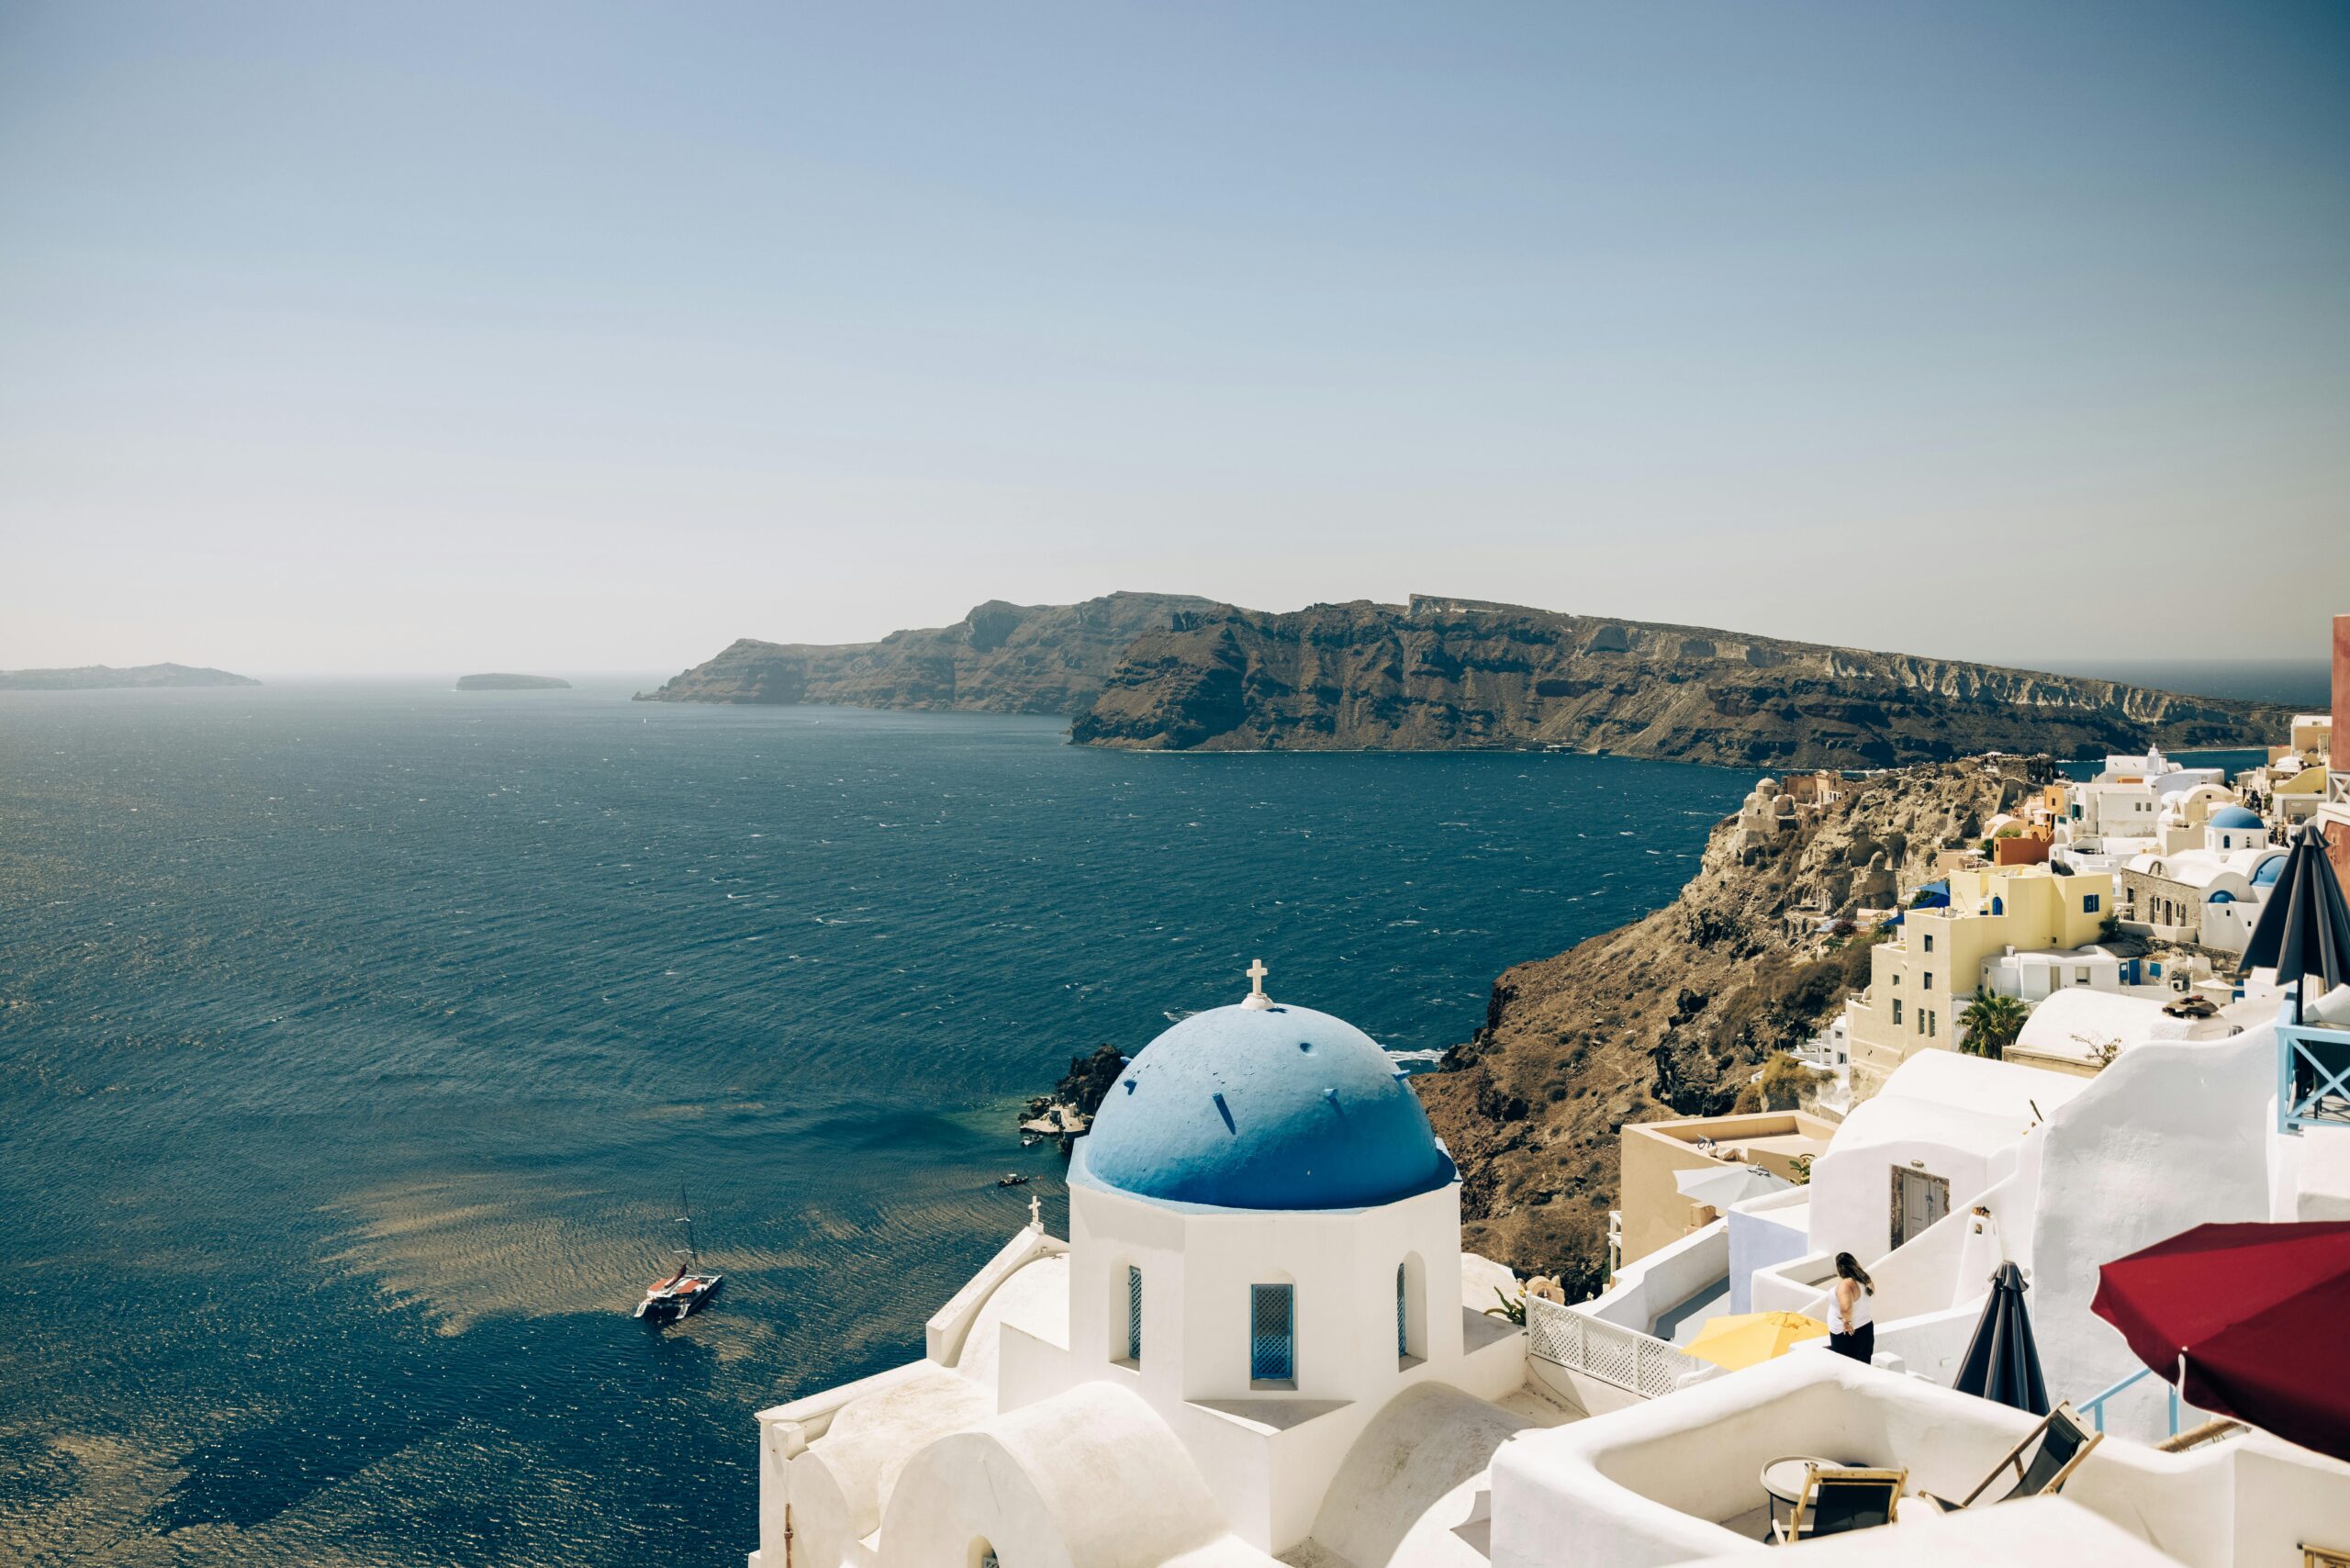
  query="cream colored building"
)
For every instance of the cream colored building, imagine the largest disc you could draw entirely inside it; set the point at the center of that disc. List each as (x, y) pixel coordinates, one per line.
(1656, 1212)
(2312, 734)
(1921, 979)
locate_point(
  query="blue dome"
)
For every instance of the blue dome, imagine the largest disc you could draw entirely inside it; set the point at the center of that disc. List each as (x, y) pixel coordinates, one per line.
(2235, 816)
(1272, 1108)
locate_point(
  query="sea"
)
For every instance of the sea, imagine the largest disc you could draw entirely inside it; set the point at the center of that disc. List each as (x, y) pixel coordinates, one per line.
(357, 1040)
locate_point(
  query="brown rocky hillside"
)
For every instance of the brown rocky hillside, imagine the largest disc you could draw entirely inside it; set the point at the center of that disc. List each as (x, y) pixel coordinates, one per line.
(1672, 1015)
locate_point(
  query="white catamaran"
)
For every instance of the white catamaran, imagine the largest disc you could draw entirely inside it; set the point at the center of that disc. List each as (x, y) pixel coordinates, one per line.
(686, 1292)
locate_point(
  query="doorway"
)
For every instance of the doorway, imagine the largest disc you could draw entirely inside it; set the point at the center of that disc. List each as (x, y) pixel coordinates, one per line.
(1919, 1198)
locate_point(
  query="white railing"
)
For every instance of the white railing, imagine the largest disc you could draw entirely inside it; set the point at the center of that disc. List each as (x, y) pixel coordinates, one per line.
(1624, 1358)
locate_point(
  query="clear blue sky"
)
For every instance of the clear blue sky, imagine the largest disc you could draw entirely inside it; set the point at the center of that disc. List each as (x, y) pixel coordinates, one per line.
(421, 336)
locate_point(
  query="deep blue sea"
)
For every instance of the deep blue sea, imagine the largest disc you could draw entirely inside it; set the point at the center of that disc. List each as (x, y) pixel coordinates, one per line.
(354, 1041)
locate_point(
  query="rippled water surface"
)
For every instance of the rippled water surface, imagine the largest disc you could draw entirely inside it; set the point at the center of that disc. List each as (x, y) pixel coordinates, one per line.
(354, 1043)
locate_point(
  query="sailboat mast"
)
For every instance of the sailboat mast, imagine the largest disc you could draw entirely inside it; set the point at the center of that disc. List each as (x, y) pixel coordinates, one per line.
(685, 1211)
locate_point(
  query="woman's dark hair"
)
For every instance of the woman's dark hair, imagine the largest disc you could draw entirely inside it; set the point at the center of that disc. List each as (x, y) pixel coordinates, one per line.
(1849, 1268)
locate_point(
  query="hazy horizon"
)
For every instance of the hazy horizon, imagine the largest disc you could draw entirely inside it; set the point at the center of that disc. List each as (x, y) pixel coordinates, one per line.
(581, 338)
(2303, 681)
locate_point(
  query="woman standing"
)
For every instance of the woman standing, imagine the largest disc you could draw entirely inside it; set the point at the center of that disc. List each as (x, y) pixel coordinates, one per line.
(1851, 1326)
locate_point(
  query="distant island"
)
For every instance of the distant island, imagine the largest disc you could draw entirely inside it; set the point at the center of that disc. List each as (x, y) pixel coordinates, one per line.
(105, 677)
(1162, 672)
(512, 683)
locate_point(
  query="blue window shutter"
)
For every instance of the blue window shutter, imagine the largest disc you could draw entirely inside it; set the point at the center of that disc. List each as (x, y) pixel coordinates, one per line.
(1272, 1333)
(1134, 1313)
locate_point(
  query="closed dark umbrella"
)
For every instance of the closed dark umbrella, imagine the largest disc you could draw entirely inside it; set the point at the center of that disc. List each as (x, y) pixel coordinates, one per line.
(2002, 1363)
(2246, 1320)
(2304, 926)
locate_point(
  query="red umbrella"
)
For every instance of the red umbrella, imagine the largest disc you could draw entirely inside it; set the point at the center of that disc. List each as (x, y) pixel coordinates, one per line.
(2249, 1319)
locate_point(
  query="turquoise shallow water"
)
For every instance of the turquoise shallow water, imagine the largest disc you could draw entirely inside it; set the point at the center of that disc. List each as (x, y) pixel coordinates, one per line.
(352, 1040)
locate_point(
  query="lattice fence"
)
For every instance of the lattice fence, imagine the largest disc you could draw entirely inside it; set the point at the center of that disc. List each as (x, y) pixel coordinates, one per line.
(1640, 1363)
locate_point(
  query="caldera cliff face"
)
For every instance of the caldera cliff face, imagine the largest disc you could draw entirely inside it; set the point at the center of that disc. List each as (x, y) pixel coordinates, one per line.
(1447, 674)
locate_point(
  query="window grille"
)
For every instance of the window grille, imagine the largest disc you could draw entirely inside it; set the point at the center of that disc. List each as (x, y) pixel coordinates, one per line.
(1134, 1313)
(1272, 1333)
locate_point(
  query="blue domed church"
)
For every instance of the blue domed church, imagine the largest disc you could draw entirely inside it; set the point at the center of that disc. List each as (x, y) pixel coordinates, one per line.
(1261, 1339)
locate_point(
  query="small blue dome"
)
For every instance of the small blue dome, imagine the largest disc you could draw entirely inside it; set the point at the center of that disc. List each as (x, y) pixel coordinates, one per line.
(1272, 1108)
(2235, 816)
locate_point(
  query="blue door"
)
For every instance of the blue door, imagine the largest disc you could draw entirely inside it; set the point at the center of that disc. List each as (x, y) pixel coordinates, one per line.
(1272, 1333)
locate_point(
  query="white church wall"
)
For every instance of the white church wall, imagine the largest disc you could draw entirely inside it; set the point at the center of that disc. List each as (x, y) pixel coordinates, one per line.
(1268, 1452)
(1414, 1455)
(1029, 1370)
(1341, 1265)
(944, 1335)
(1086, 1480)
(839, 1486)
(785, 1430)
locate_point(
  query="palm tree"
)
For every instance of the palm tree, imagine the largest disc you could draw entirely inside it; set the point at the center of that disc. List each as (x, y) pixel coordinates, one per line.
(1992, 1022)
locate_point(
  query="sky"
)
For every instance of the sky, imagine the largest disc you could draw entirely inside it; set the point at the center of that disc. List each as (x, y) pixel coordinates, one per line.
(425, 337)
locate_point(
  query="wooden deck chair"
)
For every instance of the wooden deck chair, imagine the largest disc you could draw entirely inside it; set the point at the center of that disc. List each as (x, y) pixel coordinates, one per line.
(1837, 1501)
(2065, 1441)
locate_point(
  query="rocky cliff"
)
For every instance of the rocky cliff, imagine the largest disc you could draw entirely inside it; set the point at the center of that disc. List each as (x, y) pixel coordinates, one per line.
(1001, 658)
(1440, 673)
(1671, 1015)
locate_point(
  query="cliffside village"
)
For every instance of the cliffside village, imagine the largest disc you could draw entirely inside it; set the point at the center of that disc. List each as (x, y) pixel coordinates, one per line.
(2040, 1254)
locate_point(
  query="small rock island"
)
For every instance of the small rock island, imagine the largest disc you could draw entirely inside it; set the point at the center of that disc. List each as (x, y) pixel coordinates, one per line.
(512, 683)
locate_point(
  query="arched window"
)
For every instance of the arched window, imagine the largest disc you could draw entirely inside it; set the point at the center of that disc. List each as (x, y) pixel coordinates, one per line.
(1403, 1320)
(1122, 1314)
(1272, 1334)
(1134, 1314)
(1411, 1310)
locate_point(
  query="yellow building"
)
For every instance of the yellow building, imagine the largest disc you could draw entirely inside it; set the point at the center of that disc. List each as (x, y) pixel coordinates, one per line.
(1924, 976)
(2297, 799)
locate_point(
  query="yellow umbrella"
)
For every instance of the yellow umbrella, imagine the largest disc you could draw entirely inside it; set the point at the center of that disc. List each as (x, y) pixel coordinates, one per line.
(1750, 1338)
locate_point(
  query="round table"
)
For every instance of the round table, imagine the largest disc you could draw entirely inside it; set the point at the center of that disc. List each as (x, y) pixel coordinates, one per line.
(1783, 1481)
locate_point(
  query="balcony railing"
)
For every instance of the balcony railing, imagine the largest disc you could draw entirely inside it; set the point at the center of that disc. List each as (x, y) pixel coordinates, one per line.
(1625, 1358)
(2312, 1077)
(2094, 1406)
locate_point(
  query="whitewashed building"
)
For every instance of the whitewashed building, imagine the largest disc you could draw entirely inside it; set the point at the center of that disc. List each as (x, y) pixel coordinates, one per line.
(1261, 1342)
(1261, 1336)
